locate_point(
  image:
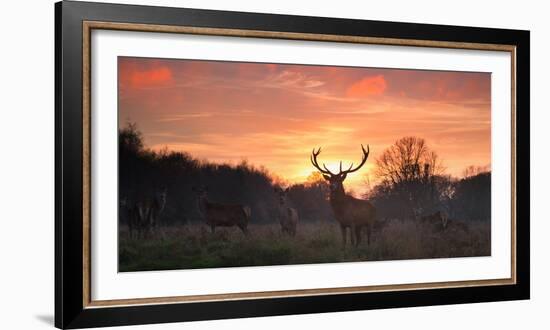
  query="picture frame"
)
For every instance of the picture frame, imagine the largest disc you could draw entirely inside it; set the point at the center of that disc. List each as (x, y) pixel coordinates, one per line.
(74, 24)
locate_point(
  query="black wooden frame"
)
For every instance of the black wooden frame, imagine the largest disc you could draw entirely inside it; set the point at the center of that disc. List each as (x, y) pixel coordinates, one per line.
(69, 308)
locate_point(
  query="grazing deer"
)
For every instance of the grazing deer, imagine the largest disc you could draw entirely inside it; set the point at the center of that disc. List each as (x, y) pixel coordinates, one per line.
(350, 212)
(222, 215)
(440, 222)
(143, 214)
(437, 219)
(288, 216)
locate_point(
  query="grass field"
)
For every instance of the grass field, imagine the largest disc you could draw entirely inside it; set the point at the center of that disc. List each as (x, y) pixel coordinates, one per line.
(193, 246)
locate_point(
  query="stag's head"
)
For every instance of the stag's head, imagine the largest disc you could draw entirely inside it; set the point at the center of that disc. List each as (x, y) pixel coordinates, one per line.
(161, 195)
(282, 194)
(336, 180)
(200, 191)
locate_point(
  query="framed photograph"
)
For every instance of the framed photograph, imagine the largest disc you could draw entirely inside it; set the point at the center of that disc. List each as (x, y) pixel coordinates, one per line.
(214, 164)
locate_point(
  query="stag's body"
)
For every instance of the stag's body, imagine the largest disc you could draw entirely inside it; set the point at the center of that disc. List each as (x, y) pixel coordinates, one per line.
(151, 208)
(288, 216)
(354, 214)
(143, 214)
(438, 219)
(349, 211)
(222, 215)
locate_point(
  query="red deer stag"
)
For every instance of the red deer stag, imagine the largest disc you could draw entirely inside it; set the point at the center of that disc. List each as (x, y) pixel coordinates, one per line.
(288, 216)
(222, 215)
(350, 212)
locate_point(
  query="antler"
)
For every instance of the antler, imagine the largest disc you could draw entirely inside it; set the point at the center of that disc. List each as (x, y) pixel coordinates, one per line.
(325, 170)
(363, 161)
(313, 159)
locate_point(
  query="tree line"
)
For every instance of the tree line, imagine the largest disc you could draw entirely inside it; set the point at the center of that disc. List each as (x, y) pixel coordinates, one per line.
(411, 182)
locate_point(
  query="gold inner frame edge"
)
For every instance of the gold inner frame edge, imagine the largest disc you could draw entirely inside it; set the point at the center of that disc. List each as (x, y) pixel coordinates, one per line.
(88, 26)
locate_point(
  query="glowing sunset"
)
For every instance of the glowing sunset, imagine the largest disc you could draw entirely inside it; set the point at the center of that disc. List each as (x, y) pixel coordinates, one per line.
(269, 158)
(273, 115)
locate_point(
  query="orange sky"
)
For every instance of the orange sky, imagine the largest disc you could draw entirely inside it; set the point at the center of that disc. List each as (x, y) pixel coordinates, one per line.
(274, 114)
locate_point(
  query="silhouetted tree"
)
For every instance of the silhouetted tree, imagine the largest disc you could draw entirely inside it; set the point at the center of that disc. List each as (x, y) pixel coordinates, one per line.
(409, 173)
(311, 199)
(472, 198)
(409, 159)
(473, 170)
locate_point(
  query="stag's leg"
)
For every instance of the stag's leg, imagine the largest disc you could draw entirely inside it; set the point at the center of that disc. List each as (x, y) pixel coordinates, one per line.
(244, 229)
(146, 231)
(352, 231)
(343, 230)
(357, 236)
(212, 229)
(369, 230)
(148, 228)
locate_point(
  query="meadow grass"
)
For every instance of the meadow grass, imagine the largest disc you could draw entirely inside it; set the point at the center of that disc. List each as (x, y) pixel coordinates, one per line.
(194, 246)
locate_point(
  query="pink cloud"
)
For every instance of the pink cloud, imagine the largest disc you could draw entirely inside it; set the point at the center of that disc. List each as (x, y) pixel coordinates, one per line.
(375, 85)
(152, 77)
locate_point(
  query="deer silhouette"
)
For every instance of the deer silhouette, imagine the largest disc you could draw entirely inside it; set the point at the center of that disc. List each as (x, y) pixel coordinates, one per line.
(222, 215)
(349, 211)
(288, 216)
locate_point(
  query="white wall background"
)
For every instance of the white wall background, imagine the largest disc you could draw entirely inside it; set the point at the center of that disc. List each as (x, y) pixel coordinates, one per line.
(27, 168)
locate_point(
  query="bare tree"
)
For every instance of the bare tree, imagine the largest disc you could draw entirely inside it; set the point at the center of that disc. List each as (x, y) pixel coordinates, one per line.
(473, 170)
(408, 159)
(408, 169)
